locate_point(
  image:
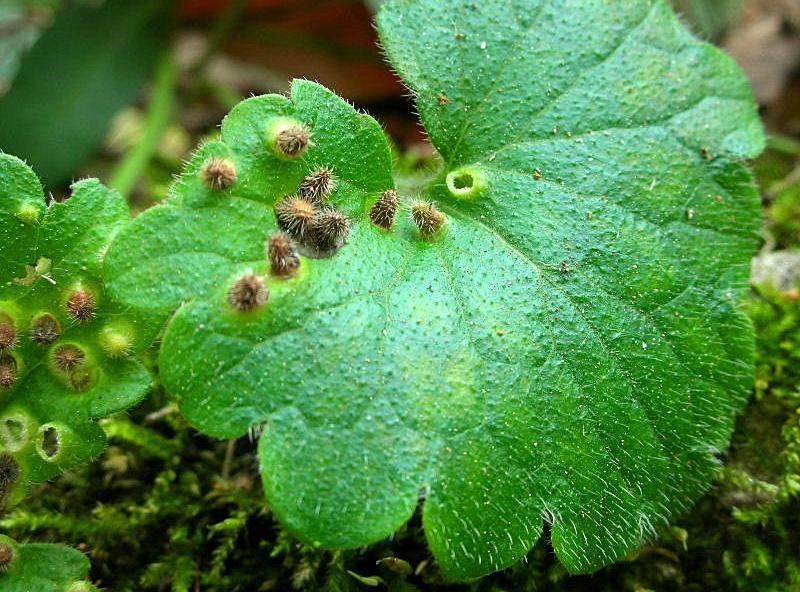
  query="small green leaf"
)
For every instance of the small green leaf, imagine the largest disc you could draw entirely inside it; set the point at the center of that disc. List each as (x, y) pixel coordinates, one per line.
(553, 334)
(66, 357)
(371, 581)
(42, 567)
(88, 65)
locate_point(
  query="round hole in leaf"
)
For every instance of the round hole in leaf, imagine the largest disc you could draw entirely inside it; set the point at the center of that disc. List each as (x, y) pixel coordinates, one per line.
(14, 432)
(49, 444)
(466, 183)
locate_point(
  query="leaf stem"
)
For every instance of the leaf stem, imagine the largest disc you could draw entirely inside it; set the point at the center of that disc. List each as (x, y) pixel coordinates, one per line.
(158, 114)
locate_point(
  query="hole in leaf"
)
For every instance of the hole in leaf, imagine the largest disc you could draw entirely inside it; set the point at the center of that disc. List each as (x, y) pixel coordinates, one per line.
(51, 442)
(466, 183)
(14, 433)
(463, 181)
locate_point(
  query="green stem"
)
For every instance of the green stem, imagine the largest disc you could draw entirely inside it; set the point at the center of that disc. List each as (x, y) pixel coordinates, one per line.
(222, 30)
(158, 114)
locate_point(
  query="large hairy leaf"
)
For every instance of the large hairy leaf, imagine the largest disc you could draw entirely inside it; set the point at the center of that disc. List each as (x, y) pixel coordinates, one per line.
(568, 348)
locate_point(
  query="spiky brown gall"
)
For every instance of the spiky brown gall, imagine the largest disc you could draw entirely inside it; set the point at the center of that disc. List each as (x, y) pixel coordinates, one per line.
(296, 215)
(293, 140)
(383, 211)
(248, 293)
(282, 254)
(10, 472)
(318, 185)
(81, 305)
(427, 217)
(7, 556)
(68, 357)
(218, 173)
(45, 329)
(330, 229)
(8, 335)
(8, 371)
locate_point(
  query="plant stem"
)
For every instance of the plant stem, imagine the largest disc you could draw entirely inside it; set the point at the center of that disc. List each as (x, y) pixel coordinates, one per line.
(158, 114)
(230, 449)
(222, 29)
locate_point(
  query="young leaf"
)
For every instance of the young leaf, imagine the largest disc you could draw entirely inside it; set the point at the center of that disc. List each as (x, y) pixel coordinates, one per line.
(551, 333)
(42, 567)
(65, 347)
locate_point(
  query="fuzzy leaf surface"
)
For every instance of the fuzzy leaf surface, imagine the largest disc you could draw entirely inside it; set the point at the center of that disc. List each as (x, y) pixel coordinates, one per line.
(570, 348)
(49, 252)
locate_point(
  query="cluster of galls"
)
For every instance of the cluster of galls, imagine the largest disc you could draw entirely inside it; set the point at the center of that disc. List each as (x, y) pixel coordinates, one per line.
(68, 360)
(308, 222)
(309, 219)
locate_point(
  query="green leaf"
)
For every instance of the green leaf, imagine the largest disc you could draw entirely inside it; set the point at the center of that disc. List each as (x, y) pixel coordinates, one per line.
(568, 348)
(88, 65)
(42, 567)
(50, 255)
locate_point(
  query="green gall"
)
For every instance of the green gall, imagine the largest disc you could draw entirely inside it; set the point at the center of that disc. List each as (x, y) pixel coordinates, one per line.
(29, 214)
(116, 341)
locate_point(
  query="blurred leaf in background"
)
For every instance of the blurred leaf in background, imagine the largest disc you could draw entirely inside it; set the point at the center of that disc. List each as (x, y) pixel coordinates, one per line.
(89, 64)
(21, 23)
(710, 17)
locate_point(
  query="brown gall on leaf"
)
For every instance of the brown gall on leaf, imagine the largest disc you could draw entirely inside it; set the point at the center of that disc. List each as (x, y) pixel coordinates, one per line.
(81, 305)
(318, 185)
(384, 210)
(296, 216)
(8, 335)
(427, 217)
(282, 254)
(293, 140)
(248, 293)
(7, 556)
(330, 229)
(68, 357)
(218, 173)
(10, 473)
(80, 380)
(8, 371)
(45, 329)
